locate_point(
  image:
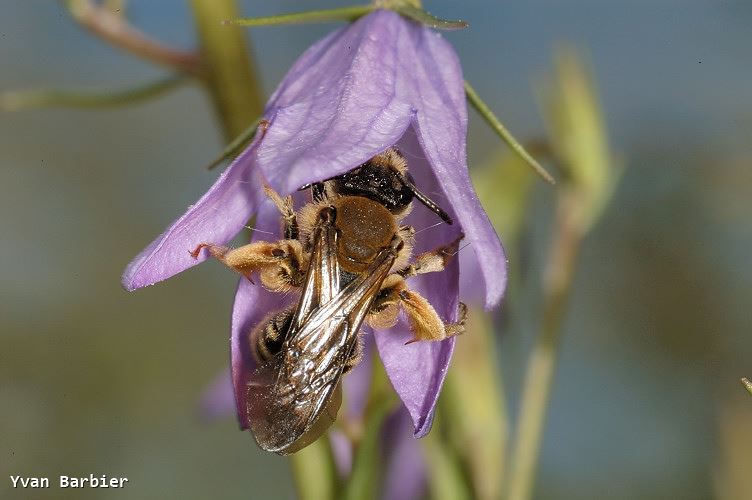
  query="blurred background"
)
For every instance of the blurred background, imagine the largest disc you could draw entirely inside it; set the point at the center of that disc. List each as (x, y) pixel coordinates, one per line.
(646, 402)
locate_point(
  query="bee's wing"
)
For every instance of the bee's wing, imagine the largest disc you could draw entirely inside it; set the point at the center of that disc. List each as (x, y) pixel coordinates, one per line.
(322, 279)
(295, 399)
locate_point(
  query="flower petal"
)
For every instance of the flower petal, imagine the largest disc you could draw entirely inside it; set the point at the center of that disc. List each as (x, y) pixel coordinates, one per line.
(437, 86)
(340, 104)
(218, 399)
(216, 218)
(417, 370)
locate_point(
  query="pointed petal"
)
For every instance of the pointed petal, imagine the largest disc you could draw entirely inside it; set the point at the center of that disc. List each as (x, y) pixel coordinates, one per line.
(339, 105)
(417, 370)
(216, 218)
(438, 94)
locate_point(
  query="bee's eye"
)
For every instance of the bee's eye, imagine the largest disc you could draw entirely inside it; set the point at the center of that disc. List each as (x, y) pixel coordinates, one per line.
(278, 252)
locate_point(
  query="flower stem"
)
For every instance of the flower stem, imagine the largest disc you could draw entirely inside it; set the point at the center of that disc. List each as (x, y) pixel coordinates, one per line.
(312, 16)
(476, 422)
(502, 131)
(314, 472)
(29, 99)
(558, 275)
(105, 22)
(230, 73)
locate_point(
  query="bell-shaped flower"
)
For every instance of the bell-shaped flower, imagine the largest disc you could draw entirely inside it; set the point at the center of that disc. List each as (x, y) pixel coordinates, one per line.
(382, 81)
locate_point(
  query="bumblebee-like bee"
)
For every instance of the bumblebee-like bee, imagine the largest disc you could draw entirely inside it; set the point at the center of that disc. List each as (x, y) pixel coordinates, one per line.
(349, 255)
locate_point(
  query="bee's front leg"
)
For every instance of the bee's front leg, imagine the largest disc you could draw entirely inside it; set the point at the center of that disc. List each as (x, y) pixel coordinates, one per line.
(281, 265)
(287, 210)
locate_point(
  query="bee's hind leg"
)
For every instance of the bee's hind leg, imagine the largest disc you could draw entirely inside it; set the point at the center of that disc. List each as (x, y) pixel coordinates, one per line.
(355, 356)
(424, 321)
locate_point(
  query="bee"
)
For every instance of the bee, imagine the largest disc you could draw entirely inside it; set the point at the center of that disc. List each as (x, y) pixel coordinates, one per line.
(349, 256)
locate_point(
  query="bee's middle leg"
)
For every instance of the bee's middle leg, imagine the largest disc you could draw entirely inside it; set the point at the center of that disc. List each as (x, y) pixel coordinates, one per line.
(433, 261)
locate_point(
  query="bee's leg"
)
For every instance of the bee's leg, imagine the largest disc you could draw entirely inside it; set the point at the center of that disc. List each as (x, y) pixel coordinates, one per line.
(287, 210)
(433, 261)
(425, 322)
(281, 265)
(355, 356)
(267, 337)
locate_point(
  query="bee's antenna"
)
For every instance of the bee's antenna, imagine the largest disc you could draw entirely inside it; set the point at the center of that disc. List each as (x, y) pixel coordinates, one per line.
(429, 227)
(425, 200)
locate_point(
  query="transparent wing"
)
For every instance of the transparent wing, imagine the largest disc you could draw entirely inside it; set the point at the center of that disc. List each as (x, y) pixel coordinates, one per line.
(293, 399)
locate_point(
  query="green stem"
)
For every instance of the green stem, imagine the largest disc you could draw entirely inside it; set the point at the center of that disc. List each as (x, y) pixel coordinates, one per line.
(110, 25)
(502, 131)
(475, 421)
(416, 13)
(540, 369)
(363, 482)
(314, 16)
(314, 472)
(29, 99)
(236, 144)
(230, 73)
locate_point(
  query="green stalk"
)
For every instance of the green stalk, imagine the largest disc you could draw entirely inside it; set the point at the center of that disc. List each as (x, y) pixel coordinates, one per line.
(536, 391)
(30, 99)
(314, 472)
(313, 16)
(482, 108)
(472, 408)
(230, 74)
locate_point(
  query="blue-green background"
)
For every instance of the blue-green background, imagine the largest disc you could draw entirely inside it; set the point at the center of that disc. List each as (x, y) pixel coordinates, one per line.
(646, 403)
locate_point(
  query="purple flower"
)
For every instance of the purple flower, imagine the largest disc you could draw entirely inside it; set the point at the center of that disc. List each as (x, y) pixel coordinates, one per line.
(380, 82)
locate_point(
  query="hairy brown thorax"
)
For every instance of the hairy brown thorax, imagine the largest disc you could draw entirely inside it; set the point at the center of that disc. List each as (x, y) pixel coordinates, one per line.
(364, 228)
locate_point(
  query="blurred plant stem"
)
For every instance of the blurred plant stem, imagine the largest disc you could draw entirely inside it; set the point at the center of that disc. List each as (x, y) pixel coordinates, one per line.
(108, 22)
(559, 270)
(446, 480)
(314, 472)
(579, 146)
(230, 74)
(30, 99)
(472, 406)
(363, 481)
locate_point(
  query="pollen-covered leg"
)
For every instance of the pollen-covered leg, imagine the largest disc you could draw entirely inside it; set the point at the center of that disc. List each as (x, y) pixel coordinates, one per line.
(287, 210)
(424, 321)
(355, 356)
(280, 264)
